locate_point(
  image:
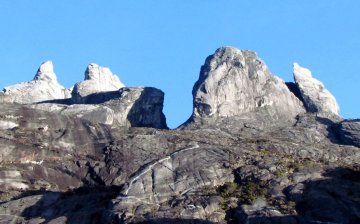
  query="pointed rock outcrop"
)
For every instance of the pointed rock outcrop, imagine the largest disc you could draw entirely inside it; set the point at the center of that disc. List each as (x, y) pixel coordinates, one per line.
(46, 72)
(97, 79)
(235, 83)
(43, 87)
(316, 98)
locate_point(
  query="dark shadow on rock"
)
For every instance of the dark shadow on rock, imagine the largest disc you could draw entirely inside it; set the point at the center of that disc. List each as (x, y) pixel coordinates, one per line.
(146, 111)
(332, 199)
(349, 132)
(95, 98)
(82, 205)
(286, 219)
(331, 128)
(101, 97)
(293, 87)
(175, 221)
(147, 107)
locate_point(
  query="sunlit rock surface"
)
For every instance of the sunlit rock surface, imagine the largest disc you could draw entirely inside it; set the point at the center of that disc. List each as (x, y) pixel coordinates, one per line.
(317, 98)
(97, 79)
(251, 154)
(237, 84)
(101, 98)
(42, 88)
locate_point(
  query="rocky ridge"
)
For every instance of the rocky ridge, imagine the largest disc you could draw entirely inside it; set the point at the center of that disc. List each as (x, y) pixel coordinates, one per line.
(43, 87)
(250, 153)
(100, 98)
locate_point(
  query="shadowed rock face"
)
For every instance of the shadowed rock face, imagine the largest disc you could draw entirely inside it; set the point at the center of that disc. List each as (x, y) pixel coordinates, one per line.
(127, 107)
(101, 162)
(235, 83)
(350, 132)
(316, 98)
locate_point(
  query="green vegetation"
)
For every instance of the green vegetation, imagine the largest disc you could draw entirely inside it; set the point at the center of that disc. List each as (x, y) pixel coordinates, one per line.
(281, 172)
(209, 190)
(250, 191)
(245, 193)
(230, 189)
(283, 205)
(264, 152)
(289, 165)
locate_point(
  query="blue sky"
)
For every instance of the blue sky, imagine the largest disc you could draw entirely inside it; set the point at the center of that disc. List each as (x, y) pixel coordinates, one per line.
(163, 43)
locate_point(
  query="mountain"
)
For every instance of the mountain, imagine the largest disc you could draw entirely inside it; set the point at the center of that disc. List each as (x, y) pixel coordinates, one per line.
(255, 150)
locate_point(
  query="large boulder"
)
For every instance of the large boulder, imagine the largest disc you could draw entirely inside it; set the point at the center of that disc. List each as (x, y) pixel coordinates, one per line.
(97, 79)
(316, 98)
(236, 83)
(127, 107)
(44, 87)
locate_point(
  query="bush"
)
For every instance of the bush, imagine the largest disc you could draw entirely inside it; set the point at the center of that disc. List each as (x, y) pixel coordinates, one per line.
(250, 191)
(228, 190)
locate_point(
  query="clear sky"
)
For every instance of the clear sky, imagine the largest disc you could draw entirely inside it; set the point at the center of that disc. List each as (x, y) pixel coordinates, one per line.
(163, 43)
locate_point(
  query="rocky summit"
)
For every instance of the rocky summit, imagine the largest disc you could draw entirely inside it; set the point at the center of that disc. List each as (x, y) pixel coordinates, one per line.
(97, 79)
(255, 150)
(236, 84)
(43, 87)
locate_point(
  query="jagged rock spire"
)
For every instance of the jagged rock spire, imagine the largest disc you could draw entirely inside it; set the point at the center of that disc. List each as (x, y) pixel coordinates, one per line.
(97, 79)
(316, 97)
(235, 83)
(43, 87)
(46, 72)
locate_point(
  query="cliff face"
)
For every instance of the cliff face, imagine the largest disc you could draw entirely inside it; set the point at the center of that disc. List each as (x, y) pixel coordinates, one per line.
(252, 152)
(235, 83)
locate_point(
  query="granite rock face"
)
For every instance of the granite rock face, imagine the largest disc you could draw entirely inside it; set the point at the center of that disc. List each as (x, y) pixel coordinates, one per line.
(60, 169)
(101, 98)
(110, 159)
(236, 83)
(168, 177)
(97, 79)
(128, 107)
(43, 87)
(350, 132)
(316, 98)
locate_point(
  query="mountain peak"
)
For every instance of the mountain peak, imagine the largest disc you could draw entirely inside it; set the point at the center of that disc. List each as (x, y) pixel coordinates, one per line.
(46, 72)
(236, 83)
(97, 79)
